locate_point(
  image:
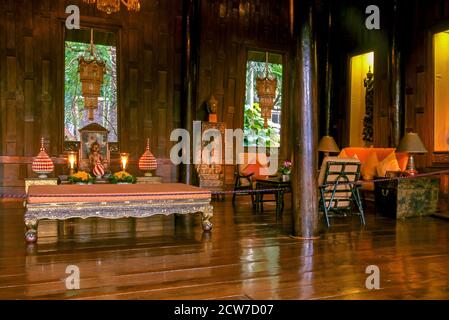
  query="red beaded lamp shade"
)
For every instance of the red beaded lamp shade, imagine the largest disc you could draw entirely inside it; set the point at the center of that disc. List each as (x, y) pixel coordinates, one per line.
(42, 164)
(147, 161)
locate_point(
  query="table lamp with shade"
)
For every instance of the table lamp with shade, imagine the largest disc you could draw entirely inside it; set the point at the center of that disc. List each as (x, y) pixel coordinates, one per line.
(328, 145)
(412, 144)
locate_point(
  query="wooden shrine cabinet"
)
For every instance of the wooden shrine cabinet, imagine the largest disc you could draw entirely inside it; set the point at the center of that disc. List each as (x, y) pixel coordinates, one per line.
(211, 171)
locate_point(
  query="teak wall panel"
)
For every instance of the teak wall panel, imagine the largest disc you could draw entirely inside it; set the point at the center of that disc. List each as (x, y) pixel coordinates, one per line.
(229, 29)
(429, 17)
(31, 82)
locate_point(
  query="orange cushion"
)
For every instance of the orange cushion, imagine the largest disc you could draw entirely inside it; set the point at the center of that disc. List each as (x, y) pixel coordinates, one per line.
(369, 167)
(390, 163)
(253, 168)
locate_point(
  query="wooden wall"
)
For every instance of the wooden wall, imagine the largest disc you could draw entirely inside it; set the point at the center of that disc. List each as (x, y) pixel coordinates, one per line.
(31, 80)
(150, 61)
(351, 37)
(429, 17)
(229, 30)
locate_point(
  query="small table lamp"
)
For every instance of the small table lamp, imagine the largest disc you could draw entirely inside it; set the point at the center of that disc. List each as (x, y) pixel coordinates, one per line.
(411, 143)
(328, 145)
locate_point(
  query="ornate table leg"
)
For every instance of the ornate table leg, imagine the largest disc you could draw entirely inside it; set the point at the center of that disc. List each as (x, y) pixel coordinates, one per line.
(207, 214)
(31, 233)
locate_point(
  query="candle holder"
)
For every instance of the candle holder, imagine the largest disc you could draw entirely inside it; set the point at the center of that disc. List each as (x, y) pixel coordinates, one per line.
(72, 162)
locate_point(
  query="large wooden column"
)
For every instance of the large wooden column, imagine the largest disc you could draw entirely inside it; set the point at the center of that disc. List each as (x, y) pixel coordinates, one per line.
(191, 45)
(329, 77)
(397, 79)
(304, 108)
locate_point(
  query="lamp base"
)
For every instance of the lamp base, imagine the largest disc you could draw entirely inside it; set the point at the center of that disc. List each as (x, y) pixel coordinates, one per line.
(411, 169)
(148, 174)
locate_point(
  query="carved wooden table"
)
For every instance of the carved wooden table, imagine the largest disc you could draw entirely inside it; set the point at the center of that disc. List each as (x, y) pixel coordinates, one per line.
(406, 198)
(113, 202)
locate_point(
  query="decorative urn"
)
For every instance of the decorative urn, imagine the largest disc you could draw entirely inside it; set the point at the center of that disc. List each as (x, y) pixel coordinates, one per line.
(98, 170)
(42, 164)
(147, 161)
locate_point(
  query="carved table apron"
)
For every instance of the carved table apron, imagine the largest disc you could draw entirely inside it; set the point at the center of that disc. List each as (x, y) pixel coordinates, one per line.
(114, 202)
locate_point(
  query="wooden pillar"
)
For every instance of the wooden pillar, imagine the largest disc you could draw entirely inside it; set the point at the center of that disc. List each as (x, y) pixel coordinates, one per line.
(190, 48)
(328, 87)
(396, 80)
(304, 109)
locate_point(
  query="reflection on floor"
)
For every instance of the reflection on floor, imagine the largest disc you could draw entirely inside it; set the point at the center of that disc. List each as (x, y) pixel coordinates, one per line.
(247, 256)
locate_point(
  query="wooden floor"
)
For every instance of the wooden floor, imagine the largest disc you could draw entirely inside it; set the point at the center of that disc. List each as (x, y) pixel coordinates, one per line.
(247, 256)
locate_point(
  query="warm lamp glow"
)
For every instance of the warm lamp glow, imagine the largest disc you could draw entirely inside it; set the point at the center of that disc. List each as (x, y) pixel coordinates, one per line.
(124, 160)
(360, 64)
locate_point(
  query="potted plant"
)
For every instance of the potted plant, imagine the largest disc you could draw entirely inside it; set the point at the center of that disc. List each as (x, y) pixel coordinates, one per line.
(286, 170)
(81, 177)
(122, 177)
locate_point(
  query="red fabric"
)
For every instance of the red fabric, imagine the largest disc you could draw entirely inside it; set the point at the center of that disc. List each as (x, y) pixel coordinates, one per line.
(114, 193)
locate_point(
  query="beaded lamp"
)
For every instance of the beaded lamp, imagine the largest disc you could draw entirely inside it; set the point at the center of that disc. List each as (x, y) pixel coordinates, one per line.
(42, 164)
(147, 161)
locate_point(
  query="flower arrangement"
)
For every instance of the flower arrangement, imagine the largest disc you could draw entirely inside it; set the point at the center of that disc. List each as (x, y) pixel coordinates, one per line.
(81, 177)
(122, 177)
(286, 168)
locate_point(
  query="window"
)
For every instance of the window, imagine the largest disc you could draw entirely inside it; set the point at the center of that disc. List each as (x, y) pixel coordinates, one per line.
(254, 130)
(75, 116)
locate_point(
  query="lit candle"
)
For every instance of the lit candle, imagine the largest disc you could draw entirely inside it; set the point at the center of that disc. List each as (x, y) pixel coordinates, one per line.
(124, 160)
(72, 161)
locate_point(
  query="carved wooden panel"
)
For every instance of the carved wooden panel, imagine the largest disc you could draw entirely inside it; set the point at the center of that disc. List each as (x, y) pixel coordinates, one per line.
(31, 79)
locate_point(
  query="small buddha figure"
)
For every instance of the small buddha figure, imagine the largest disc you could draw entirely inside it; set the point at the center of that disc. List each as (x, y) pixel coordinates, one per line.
(95, 155)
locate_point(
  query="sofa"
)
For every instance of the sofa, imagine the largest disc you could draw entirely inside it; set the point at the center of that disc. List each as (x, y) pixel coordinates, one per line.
(376, 162)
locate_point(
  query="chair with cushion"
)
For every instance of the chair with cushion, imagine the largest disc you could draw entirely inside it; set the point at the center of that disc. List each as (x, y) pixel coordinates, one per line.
(246, 173)
(339, 191)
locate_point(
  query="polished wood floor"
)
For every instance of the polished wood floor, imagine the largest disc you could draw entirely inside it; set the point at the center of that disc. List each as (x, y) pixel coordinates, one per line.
(247, 256)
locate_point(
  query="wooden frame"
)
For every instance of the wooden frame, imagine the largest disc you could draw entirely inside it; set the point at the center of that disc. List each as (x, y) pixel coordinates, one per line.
(284, 149)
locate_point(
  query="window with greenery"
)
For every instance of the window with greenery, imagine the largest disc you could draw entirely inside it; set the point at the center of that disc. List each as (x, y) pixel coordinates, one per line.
(75, 116)
(254, 130)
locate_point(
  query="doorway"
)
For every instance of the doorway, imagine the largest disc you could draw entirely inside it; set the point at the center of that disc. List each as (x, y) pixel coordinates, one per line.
(360, 66)
(441, 92)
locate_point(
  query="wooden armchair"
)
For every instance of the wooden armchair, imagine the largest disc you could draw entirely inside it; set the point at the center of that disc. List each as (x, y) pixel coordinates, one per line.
(338, 189)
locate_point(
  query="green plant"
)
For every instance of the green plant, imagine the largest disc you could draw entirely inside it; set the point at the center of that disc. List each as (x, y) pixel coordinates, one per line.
(81, 177)
(122, 177)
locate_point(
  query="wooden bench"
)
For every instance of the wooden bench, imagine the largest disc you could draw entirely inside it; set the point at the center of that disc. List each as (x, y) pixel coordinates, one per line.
(111, 201)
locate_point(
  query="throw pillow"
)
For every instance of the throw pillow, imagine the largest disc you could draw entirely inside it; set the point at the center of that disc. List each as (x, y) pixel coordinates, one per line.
(369, 168)
(390, 163)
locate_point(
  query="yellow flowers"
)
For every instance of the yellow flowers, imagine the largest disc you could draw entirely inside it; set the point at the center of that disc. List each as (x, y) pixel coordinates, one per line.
(122, 175)
(82, 175)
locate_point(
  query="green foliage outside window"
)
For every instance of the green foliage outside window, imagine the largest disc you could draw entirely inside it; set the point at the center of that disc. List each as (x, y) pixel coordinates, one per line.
(255, 133)
(74, 114)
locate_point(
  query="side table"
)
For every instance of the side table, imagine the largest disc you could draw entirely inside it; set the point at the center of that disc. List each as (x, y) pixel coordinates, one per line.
(271, 186)
(405, 198)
